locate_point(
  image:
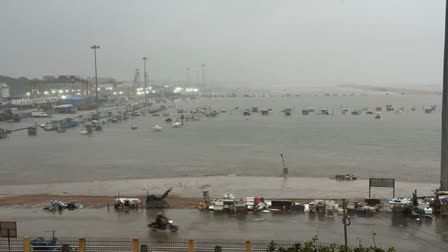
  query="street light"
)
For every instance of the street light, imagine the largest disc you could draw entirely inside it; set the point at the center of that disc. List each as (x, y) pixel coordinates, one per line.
(94, 47)
(203, 77)
(188, 77)
(144, 67)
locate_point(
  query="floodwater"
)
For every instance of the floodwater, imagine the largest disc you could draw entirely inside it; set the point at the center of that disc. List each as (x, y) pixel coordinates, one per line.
(404, 145)
(405, 234)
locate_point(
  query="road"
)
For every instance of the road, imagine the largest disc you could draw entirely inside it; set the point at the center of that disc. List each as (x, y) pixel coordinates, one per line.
(404, 234)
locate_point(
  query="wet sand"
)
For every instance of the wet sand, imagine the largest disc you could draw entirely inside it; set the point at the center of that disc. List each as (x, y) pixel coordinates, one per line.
(188, 190)
(35, 201)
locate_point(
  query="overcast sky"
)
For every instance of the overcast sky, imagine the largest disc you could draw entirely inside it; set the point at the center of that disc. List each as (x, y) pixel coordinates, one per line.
(391, 41)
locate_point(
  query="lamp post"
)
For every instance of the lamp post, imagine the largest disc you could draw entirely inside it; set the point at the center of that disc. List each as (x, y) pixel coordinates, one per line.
(146, 88)
(444, 154)
(203, 78)
(94, 47)
(188, 77)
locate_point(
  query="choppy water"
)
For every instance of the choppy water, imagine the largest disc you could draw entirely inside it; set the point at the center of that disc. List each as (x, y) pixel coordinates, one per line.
(405, 146)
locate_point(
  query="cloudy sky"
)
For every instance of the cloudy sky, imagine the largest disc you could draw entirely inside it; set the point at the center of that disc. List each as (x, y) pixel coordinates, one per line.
(393, 41)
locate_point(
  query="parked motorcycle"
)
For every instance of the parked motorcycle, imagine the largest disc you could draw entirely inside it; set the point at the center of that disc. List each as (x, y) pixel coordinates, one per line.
(170, 226)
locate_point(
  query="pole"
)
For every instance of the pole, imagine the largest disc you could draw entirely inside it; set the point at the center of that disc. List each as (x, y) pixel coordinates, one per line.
(344, 220)
(444, 154)
(188, 77)
(73, 87)
(146, 88)
(203, 78)
(9, 241)
(94, 47)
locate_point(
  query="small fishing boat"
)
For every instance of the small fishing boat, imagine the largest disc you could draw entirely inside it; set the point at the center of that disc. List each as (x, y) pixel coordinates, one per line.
(346, 177)
(378, 115)
(168, 120)
(246, 113)
(157, 128)
(133, 127)
(176, 125)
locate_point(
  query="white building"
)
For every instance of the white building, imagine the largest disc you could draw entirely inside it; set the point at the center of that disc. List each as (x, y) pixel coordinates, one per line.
(4, 90)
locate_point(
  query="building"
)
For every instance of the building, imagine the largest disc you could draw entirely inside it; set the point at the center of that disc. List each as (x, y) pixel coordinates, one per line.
(4, 91)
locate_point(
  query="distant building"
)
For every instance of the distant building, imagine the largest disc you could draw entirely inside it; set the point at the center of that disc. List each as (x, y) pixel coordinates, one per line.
(4, 90)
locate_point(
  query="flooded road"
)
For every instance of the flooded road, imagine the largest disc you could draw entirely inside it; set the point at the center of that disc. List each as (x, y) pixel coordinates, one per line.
(405, 234)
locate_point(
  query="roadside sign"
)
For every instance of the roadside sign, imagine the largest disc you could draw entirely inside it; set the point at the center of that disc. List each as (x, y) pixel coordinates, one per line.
(8, 229)
(382, 182)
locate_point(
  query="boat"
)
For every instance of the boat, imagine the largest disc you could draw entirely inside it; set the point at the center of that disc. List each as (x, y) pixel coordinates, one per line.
(305, 112)
(428, 109)
(168, 120)
(133, 127)
(176, 125)
(324, 111)
(254, 109)
(389, 108)
(287, 111)
(246, 113)
(378, 115)
(155, 114)
(346, 177)
(135, 113)
(356, 112)
(157, 128)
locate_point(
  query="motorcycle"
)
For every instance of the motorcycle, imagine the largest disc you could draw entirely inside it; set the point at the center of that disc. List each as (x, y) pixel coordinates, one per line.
(170, 226)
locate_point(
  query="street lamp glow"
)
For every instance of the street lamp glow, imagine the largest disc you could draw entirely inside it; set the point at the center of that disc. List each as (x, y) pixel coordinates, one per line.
(153, 91)
(115, 93)
(53, 91)
(61, 91)
(28, 94)
(63, 97)
(46, 93)
(121, 92)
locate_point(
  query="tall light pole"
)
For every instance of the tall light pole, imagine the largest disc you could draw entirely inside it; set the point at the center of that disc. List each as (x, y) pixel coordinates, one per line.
(188, 77)
(94, 47)
(444, 154)
(203, 78)
(146, 87)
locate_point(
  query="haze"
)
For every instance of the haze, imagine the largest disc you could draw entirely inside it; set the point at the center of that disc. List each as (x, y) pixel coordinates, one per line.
(387, 41)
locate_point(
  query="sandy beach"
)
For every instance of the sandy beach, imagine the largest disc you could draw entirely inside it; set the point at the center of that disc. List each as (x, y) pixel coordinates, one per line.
(187, 191)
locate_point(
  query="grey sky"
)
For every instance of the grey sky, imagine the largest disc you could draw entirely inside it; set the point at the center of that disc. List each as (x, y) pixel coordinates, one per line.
(297, 40)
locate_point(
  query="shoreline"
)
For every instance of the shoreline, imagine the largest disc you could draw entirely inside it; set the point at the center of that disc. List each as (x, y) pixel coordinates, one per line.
(187, 191)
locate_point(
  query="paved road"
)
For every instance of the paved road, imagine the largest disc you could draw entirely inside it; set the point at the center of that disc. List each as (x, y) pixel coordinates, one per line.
(404, 234)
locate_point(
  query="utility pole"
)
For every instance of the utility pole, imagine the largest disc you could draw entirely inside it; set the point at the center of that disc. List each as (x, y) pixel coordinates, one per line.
(444, 154)
(94, 47)
(203, 78)
(146, 87)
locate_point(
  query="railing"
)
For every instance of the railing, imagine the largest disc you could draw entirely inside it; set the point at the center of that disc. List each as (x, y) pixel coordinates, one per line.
(107, 244)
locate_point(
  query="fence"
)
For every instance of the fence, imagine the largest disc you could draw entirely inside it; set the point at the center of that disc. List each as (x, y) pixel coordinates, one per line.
(102, 244)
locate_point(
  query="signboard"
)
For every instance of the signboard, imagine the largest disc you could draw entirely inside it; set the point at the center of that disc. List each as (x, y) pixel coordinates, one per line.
(8, 229)
(382, 182)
